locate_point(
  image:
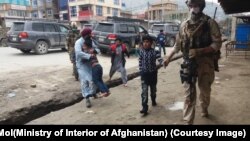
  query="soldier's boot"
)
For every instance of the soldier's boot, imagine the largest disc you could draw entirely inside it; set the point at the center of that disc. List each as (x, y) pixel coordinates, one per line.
(88, 103)
(204, 112)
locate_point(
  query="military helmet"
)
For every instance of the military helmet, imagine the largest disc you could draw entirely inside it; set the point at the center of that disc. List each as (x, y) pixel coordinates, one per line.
(201, 3)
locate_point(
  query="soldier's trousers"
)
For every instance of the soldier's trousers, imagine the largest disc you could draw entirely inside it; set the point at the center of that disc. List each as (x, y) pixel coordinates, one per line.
(75, 72)
(205, 81)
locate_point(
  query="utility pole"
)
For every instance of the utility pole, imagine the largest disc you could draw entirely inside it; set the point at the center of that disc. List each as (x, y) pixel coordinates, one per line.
(215, 12)
(148, 14)
(162, 11)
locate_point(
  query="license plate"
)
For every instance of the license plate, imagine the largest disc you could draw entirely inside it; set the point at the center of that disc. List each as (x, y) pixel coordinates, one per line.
(14, 38)
(101, 39)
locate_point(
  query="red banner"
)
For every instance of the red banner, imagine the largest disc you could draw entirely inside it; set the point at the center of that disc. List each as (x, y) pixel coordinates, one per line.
(85, 15)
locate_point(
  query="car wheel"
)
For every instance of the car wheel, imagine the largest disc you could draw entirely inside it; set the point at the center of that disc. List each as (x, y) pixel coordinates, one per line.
(64, 49)
(25, 50)
(41, 47)
(3, 42)
(171, 42)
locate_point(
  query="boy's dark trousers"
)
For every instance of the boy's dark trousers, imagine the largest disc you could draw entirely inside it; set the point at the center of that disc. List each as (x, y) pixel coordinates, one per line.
(148, 80)
(97, 73)
(144, 95)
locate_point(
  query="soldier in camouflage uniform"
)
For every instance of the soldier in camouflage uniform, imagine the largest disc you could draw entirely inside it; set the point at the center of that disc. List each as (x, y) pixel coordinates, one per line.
(3, 33)
(201, 36)
(71, 39)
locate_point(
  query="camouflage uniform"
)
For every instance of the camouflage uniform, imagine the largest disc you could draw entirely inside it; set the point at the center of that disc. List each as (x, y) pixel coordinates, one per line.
(208, 36)
(3, 33)
(71, 39)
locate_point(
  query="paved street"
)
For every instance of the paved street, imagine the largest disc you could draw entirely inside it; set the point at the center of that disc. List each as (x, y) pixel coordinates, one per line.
(12, 60)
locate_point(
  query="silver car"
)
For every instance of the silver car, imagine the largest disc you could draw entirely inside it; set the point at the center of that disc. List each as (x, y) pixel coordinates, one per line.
(169, 29)
(37, 35)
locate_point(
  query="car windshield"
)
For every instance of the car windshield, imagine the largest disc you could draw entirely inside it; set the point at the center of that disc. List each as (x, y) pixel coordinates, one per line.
(17, 27)
(103, 27)
(174, 28)
(157, 27)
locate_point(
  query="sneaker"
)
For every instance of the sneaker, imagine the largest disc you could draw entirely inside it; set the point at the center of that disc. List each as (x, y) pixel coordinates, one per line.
(154, 103)
(125, 85)
(106, 94)
(95, 96)
(88, 103)
(144, 112)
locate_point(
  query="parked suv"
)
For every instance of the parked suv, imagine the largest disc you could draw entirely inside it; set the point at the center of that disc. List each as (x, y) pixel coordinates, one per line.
(38, 36)
(169, 29)
(105, 34)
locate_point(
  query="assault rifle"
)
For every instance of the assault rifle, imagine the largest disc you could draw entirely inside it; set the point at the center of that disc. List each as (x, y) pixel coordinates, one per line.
(188, 67)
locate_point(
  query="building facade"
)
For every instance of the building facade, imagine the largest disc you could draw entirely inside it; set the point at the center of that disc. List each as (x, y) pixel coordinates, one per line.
(63, 10)
(87, 11)
(48, 9)
(176, 16)
(13, 10)
(156, 12)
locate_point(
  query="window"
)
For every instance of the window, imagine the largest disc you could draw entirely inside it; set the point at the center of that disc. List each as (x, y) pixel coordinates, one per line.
(37, 27)
(99, 10)
(49, 12)
(115, 12)
(108, 10)
(158, 27)
(102, 1)
(73, 11)
(63, 29)
(105, 27)
(123, 28)
(131, 29)
(34, 14)
(34, 3)
(175, 28)
(18, 27)
(142, 30)
(49, 28)
(116, 2)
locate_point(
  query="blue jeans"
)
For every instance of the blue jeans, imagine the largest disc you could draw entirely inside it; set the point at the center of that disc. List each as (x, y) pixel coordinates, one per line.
(97, 73)
(162, 46)
(144, 94)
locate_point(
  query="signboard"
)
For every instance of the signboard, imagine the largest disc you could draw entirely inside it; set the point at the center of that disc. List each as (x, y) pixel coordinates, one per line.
(18, 7)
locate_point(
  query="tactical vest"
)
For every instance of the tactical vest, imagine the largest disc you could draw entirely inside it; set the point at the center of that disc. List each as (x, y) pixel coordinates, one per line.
(200, 39)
